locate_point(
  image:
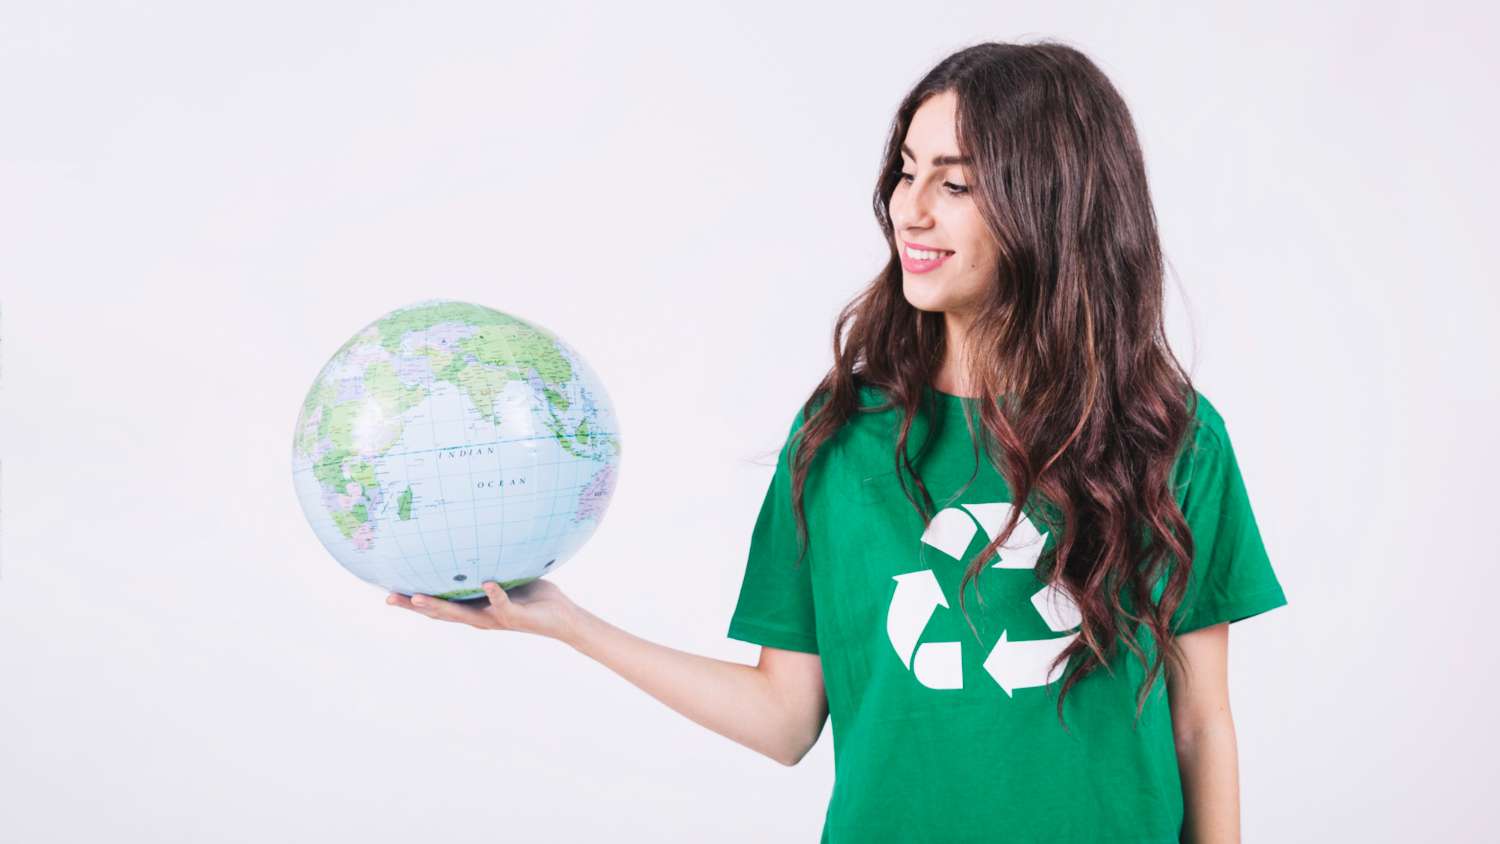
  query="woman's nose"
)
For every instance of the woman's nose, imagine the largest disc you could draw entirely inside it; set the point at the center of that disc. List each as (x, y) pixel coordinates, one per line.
(911, 210)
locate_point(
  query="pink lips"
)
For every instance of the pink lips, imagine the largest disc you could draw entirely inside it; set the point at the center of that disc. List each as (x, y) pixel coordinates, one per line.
(912, 265)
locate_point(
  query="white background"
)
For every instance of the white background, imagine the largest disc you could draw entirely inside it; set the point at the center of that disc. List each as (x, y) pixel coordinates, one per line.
(201, 201)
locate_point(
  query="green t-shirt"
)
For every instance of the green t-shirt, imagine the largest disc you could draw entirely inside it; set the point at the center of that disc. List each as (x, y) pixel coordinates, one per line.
(937, 736)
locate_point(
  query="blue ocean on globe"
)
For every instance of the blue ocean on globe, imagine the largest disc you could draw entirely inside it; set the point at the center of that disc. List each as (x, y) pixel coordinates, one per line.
(447, 444)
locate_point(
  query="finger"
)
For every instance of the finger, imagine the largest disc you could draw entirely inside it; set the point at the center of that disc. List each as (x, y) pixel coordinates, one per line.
(422, 606)
(449, 611)
(396, 599)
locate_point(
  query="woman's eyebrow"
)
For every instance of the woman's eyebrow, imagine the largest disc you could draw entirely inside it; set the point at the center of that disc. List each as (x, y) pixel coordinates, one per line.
(939, 160)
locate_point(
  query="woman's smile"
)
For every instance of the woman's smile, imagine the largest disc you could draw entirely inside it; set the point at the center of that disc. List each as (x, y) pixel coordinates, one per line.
(917, 258)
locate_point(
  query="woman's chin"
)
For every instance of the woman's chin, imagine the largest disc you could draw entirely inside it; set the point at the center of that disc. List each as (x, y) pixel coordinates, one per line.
(923, 300)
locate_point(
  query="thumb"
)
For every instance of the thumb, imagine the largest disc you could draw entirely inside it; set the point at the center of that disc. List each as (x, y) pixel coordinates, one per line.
(497, 596)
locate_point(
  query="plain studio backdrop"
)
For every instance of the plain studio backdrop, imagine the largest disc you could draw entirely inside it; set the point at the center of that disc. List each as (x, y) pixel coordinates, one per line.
(201, 202)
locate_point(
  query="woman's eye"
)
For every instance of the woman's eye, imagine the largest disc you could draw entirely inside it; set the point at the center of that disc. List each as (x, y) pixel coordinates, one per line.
(956, 190)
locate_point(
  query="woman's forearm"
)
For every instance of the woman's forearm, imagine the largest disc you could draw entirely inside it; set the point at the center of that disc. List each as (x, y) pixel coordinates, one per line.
(736, 701)
(1208, 760)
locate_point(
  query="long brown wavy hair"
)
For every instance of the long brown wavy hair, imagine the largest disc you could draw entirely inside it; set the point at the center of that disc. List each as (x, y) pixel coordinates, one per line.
(1096, 407)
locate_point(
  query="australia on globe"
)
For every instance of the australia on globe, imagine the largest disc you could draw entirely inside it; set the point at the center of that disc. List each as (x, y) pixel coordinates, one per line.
(447, 444)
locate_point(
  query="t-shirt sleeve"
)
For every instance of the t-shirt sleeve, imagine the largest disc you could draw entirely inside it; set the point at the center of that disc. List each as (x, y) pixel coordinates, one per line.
(775, 606)
(1231, 577)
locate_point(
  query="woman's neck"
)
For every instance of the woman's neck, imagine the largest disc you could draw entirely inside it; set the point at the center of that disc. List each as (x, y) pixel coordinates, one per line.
(953, 375)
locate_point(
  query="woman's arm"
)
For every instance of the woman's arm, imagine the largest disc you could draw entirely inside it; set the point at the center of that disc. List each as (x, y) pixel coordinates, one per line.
(1203, 728)
(777, 708)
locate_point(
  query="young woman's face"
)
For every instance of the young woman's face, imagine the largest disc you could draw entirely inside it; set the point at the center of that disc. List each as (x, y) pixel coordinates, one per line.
(932, 209)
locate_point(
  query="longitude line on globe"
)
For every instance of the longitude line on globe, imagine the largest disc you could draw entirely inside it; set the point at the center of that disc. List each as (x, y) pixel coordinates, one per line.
(500, 479)
(437, 462)
(401, 559)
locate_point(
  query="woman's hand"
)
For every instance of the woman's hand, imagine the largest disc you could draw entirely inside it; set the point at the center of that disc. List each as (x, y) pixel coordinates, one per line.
(538, 607)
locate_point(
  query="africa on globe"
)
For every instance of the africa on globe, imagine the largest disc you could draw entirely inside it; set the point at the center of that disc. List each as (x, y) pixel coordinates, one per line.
(447, 444)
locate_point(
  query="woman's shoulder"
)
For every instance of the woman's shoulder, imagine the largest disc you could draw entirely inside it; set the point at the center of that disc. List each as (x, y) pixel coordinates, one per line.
(871, 424)
(869, 399)
(1207, 449)
(1208, 429)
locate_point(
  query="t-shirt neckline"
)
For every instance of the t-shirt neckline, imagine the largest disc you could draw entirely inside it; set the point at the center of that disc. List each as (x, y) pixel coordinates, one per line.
(948, 399)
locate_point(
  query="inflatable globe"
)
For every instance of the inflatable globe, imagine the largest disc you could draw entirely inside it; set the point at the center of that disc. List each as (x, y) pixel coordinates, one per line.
(447, 444)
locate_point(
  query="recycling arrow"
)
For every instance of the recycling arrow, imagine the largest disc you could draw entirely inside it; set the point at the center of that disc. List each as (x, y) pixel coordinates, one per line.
(917, 597)
(1016, 665)
(1057, 609)
(937, 665)
(1012, 664)
(1024, 545)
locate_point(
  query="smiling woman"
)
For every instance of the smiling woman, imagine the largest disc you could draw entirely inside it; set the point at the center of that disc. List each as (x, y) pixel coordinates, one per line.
(1002, 402)
(1007, 381)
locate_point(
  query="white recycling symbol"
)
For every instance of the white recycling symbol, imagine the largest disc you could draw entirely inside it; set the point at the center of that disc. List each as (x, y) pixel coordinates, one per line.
(1013, 664)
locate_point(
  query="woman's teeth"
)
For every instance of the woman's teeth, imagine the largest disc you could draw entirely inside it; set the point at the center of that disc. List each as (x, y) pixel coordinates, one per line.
(924, 254)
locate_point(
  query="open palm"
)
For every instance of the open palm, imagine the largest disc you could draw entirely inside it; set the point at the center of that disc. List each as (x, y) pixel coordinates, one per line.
(538, 607)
